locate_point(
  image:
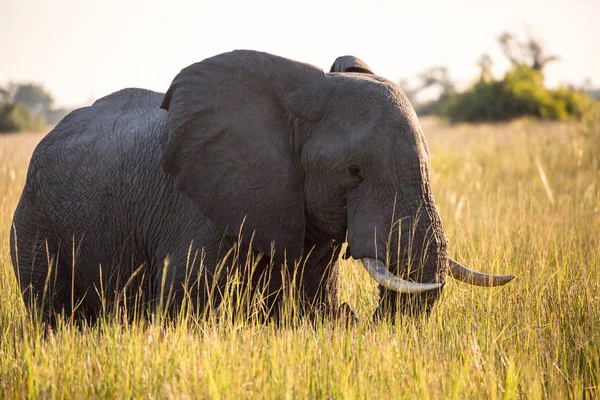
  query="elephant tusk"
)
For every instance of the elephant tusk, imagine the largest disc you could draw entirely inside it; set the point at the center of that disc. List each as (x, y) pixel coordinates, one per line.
(464, 274)
(385, 278)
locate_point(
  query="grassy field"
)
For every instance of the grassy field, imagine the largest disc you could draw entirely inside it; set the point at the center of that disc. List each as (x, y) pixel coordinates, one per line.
(522, 197)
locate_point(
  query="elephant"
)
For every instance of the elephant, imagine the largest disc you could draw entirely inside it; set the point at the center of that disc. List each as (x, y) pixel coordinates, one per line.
(249, 151)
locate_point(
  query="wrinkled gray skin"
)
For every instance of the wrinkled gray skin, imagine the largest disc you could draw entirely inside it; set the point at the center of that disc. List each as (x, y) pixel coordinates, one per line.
(300, 157)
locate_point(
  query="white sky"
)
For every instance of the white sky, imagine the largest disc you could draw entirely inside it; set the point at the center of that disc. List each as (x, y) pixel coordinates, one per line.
(82, 49)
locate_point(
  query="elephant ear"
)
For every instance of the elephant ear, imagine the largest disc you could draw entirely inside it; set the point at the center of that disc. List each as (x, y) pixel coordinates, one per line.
(350, 64)
(229, 143)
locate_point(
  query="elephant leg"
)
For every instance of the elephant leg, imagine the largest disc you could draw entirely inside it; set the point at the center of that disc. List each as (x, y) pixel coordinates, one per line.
(324, 302)
(184, 283)
(200, 278)
(39, 274)
(319, 283)
(319, 286)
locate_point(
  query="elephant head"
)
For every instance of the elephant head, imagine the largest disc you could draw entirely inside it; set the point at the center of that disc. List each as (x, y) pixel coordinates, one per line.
(290, 155)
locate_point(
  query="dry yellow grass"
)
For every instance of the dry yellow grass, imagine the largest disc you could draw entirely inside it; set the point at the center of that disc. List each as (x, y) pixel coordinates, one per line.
(521, 197)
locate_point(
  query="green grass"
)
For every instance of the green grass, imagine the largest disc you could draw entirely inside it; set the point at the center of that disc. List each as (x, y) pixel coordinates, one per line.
(537, 337)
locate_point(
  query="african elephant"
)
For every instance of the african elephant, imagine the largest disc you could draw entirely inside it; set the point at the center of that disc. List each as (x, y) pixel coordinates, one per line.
(245, 149)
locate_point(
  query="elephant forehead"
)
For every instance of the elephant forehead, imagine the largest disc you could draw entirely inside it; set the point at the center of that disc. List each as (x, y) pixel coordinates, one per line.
(365, 117)
(362, 90)
(387, 138)
(372, 107)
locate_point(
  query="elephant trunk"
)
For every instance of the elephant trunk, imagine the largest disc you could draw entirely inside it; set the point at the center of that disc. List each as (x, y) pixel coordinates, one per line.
(406, 255)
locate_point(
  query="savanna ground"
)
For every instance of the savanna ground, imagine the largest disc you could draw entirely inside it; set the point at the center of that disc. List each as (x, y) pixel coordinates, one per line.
(522, 197)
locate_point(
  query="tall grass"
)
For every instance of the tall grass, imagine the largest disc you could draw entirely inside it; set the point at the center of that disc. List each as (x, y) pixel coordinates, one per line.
(521, 197)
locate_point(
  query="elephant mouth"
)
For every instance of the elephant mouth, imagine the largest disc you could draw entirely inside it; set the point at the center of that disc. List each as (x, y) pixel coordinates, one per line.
(314, 234)
(381, 274)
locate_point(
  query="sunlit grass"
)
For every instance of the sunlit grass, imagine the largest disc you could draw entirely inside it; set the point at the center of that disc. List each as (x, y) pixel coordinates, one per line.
(537, 337)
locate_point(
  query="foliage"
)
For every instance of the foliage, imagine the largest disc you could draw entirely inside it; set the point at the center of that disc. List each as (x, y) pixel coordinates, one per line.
(594, 94)
(520, 93)
(528, 51)
(436, 78)
(27, 106)
(432, 107)
(15, 117)
(34, 97)
(537, 337)
(5, 95)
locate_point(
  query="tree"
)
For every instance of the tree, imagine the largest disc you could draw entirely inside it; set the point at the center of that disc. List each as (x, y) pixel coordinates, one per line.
(34, 97)
(528, 52)
(15, 117)
(434, 77)
(27, 106)
(520, 93)
(485, 64)
(4, 95)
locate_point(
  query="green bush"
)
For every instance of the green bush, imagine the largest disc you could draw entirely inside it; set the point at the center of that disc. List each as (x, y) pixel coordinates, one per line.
(576, 103)
(483, 102)
(520, 93)
(15, 117)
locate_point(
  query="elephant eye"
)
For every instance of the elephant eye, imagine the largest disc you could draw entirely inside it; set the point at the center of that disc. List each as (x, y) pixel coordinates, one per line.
(355, 172)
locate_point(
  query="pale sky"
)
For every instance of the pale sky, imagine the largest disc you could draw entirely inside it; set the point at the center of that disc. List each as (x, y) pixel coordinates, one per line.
(81, 50)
